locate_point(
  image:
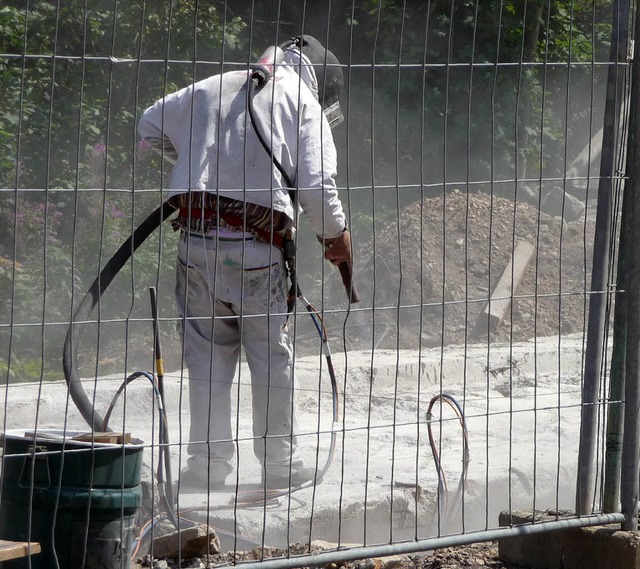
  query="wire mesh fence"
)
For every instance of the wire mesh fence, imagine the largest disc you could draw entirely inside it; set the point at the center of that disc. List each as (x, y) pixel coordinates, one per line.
(174, 379)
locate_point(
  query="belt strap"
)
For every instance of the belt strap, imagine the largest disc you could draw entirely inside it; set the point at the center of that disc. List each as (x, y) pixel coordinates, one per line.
(234, 221)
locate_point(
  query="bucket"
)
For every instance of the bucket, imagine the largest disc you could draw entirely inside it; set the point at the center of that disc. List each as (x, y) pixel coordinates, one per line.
(77, 499)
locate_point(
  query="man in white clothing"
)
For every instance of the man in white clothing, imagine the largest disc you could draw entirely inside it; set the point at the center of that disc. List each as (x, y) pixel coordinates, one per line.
(235, 204)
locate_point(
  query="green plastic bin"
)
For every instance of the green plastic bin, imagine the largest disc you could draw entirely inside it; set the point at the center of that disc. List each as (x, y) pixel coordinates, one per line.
(78, 500)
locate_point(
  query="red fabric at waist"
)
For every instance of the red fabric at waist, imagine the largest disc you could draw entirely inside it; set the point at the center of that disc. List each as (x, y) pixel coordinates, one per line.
(235, 221)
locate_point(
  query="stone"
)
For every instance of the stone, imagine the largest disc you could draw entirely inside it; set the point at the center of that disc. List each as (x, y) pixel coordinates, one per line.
(555, 201)
(196, 541)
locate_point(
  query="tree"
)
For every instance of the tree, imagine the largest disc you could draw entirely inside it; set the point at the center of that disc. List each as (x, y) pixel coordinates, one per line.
(75, 79)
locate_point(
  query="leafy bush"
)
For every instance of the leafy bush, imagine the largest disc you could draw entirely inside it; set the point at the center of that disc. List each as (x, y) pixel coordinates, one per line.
(77, 180)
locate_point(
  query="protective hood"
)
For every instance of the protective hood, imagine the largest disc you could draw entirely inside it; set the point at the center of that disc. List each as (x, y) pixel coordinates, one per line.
(320, 70)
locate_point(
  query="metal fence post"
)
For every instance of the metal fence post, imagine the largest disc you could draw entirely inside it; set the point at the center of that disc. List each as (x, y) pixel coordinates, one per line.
(599, 276)
(615, 414)
(631, 442)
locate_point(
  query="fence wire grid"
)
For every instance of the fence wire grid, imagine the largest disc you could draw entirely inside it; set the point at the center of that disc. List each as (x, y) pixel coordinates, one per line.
(161, 376)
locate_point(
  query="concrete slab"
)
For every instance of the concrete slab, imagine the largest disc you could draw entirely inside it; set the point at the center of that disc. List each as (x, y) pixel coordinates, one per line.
(521, 404)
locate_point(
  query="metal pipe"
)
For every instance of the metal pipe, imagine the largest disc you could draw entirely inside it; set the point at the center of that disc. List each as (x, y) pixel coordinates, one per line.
(585, 484)
(615, 414)
(631, 441)
(165, 455)
(341, 556)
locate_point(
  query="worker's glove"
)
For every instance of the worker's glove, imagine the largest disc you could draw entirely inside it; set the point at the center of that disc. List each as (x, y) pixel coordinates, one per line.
(338, 249)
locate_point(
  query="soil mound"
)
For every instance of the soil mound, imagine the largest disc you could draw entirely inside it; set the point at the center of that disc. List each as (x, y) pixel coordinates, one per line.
(432, 272)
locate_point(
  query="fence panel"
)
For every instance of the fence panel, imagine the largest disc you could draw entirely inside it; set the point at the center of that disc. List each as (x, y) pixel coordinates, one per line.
(464, 373)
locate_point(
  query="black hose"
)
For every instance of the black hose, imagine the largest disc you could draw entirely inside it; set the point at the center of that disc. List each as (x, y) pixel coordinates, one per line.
(253, 85)
(346, 272)
(82, 313)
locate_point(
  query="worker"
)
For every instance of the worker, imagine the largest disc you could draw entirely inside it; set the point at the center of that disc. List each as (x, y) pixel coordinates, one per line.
(234, 207)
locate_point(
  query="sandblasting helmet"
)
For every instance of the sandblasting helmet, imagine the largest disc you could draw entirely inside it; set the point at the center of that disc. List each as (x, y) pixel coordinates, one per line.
(328, 74)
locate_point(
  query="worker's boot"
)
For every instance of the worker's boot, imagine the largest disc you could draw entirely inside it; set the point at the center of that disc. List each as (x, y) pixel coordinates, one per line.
(291, 479)
(200, 474)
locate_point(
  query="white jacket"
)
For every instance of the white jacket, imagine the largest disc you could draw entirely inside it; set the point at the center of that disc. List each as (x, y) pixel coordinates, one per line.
(206, 130)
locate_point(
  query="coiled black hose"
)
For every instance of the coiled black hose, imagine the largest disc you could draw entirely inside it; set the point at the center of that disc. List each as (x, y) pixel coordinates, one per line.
(90, 300)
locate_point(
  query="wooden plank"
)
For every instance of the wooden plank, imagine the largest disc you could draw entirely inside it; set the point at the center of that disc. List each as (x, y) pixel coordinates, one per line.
(506, 287)
(111, 438)
(16, 549)
(42, 435)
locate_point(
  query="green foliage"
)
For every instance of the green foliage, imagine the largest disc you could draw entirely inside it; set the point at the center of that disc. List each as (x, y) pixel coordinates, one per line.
(57, 110)
(68, 123)
(430, 116)
(30, 369)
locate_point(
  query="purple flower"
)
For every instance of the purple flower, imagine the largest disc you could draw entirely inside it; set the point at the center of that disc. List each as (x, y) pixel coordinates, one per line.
(113, 210)
(143, 146)
(99, 149)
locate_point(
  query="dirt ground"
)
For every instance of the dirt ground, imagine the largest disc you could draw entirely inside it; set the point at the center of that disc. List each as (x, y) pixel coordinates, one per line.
(446, 254)
(475, 556)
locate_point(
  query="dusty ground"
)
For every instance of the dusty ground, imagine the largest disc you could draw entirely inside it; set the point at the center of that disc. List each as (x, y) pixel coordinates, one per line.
(454, 250)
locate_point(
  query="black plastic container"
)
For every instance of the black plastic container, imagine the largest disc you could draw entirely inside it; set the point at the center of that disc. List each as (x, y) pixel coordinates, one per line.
(77, 499)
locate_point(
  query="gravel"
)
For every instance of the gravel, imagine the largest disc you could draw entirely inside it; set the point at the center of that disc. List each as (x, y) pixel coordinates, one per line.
(475, 556)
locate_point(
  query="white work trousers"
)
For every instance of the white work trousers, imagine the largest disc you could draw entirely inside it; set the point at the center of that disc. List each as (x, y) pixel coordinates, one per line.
(232, 293)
